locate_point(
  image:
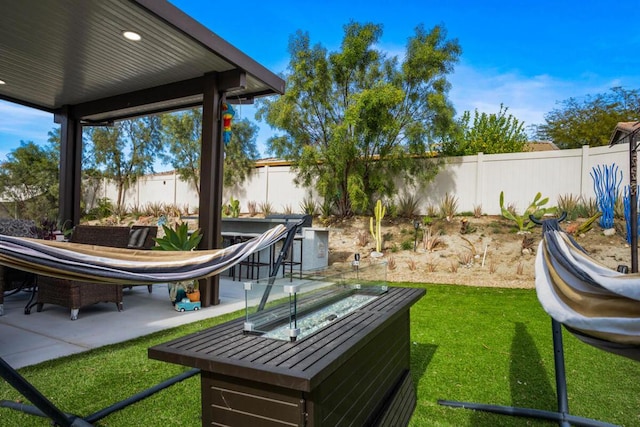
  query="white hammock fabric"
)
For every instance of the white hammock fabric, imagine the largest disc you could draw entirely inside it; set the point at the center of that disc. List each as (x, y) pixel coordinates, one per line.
(99, 264)
(600, 305)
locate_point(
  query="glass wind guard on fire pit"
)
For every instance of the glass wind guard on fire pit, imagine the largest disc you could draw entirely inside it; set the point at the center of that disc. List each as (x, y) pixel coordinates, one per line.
(286, 309)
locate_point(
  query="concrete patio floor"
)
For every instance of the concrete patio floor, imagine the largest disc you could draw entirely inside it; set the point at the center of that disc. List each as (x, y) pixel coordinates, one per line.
(37, 337)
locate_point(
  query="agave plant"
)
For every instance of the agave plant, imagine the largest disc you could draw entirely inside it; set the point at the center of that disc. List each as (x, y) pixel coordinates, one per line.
(179, 239)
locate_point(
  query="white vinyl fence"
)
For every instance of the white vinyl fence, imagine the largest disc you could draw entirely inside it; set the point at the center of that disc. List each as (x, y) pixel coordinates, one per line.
(474, 180)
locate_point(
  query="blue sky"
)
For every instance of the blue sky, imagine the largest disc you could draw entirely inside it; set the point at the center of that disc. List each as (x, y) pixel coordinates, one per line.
(527, 55)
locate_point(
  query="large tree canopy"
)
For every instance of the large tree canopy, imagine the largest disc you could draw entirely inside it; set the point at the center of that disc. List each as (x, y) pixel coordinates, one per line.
(354, 118)
(29, 178)
(126, 151)
(489, 134)
(591, 121)
(182, 135)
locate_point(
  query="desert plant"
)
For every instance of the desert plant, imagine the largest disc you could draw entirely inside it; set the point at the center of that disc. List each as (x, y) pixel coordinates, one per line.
(493, 267)
(391, 263)
(234, 205)
(178, 238)
(153, 208)
(586, 225)
(135, 209)
(587, 208)
(266, 208)
(466, 259)
(412, 265)
(391, 208)
(252, 207)
(172, 210)
(453, 266)
(408, 206)
(308, 206)
(326, 208)
(287, 209)
(431, 266)
(376, 232)
(536, 208)
(448, 207)
(520, 269)
(431, 242)
(477, 211)
(431, 210)
(569, 203)
(606, 185)
(406, 245)
(527, 243)
(362, 238)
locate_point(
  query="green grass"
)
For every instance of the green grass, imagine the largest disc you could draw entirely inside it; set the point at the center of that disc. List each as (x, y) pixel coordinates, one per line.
(470, 344)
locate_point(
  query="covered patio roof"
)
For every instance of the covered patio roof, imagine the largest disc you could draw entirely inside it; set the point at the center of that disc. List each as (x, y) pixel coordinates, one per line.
(70, 58)
(56, 53)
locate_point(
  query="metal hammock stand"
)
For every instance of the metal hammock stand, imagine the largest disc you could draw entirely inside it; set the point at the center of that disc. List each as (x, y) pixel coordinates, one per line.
(561, 415)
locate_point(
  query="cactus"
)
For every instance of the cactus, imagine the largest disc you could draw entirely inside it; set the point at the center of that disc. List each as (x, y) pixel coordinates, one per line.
(379, 212)
(234, 205)
(535, 208)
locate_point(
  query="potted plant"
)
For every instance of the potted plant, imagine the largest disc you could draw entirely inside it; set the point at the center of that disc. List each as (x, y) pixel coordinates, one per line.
(178, 238)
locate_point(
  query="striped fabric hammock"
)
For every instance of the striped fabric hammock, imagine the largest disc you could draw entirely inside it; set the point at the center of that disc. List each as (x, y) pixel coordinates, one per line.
(598, 305)
(101, 264)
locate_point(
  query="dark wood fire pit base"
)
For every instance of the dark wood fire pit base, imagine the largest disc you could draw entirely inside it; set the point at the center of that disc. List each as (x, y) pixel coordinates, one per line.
(352, 372)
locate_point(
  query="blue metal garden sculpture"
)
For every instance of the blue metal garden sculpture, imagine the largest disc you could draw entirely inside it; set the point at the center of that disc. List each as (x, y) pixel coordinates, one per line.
(606, 186)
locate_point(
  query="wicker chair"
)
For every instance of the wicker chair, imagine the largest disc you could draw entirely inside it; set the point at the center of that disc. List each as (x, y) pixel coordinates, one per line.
(11, 279)
(74, 294)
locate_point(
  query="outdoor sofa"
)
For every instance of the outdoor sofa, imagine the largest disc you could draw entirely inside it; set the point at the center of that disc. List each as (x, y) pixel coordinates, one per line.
(77, 294)
(12, 279)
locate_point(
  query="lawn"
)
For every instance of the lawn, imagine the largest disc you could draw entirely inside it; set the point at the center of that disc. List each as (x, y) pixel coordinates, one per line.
(471, 344)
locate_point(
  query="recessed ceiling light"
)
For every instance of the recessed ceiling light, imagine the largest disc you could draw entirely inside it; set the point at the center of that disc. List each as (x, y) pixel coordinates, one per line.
(130, 35)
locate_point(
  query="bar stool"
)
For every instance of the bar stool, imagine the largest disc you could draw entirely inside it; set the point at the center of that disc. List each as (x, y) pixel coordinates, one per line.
(291, 260)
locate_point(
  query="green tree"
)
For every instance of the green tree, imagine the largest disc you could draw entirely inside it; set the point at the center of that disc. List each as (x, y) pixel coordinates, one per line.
(91, 175)
(182, 134)
(489, 134)
(591, 121)
(126, 151)
(355, 117)
(29, 178)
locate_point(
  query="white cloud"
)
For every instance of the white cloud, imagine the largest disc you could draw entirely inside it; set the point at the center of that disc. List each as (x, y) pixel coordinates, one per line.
(22, 123)
(527, 98)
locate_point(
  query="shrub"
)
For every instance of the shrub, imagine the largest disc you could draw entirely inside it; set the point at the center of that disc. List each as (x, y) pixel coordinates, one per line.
(308, 206)
(266, 208)
(448, 207)
(408, 206)
(569, 203)
(406, 245)
(252, 207)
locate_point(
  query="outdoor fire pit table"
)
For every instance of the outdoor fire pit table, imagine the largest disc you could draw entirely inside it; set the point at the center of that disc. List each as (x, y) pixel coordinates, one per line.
(352, 371)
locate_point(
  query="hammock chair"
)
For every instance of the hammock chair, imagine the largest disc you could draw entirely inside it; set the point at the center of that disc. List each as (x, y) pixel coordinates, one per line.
(598, 305)
(99, 264)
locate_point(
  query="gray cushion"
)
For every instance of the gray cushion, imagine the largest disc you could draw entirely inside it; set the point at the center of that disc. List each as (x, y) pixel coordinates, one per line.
(137, 236)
